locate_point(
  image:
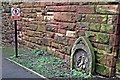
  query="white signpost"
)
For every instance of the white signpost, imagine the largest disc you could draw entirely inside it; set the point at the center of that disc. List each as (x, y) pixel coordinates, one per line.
(15, 16)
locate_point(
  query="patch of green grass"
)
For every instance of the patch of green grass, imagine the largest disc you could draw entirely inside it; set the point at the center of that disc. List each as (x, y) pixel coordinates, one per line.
(80, 74)
(11, 50)
(47, 65)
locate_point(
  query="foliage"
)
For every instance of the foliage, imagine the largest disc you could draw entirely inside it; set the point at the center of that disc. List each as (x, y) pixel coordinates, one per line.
(78, 74)
(11, 50)
(47, 65)
(37, 52)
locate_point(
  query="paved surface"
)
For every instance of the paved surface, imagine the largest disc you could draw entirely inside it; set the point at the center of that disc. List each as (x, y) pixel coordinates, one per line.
(11, 70)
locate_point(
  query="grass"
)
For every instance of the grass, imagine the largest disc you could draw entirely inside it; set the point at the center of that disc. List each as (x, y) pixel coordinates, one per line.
(47, 65)
(43, 63)
(10, 51)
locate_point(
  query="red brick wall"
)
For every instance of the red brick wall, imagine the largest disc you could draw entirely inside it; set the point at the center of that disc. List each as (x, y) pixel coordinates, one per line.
(6, 24)
(55, 27)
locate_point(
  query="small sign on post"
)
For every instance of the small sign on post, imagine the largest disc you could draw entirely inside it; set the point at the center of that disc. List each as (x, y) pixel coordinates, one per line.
(15, 16)
(15, 13)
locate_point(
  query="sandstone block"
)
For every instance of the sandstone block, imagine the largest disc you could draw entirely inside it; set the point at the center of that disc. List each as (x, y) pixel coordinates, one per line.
(107, 9)
(62, 55)
(101, 58)
(101, 19)
(94, 27)
(46, 41)
(50, 34)
(110, 61)
(71, 41)
(90, 17)
(62, 31)
(33, 27)
(61, 8)
(114, 40)
(68, 26)
(39, 41)
(91, 35)
(51, 27)
(30, 33)
(102, 38)
(48, 18)
(55, 45)
(67, 59)
(37, 34)
(65, 16)
(116, 29)
(85, 9)
(41, 27)
(83, 25)
(103, 70)
(107, 28)
(71, 34)
(61, 39)
(62, 48)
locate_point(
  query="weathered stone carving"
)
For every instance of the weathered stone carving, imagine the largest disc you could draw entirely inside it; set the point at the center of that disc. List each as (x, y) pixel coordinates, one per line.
(82, 56)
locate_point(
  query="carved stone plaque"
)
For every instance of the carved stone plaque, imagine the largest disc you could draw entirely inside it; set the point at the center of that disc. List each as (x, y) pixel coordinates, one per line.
(82, 56)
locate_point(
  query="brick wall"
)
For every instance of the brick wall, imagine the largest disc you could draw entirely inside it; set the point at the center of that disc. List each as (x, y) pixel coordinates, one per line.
(7, 28)
(55, 27)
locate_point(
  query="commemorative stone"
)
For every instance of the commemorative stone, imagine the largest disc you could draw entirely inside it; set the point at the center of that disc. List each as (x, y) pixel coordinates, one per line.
(82, 56)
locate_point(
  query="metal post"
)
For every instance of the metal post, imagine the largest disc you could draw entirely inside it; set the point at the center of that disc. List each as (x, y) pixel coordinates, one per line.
(16, 45)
